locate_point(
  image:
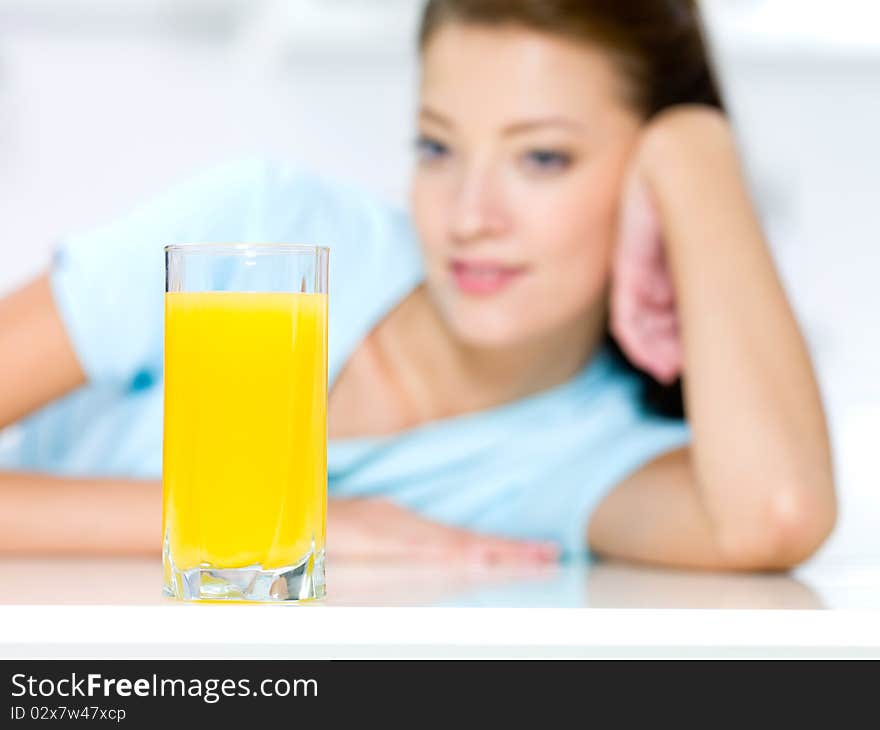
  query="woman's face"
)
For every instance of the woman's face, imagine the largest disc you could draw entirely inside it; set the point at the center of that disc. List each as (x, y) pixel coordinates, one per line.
(523, 144)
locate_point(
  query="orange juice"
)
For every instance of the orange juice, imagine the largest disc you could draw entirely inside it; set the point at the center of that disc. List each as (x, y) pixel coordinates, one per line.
(245, 462)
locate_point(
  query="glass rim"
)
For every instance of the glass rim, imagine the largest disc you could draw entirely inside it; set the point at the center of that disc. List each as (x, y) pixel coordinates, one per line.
(254, 248)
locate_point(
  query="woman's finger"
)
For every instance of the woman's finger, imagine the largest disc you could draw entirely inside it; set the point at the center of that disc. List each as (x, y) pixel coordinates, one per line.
(654, 325)
(413, 536)
(492, 547)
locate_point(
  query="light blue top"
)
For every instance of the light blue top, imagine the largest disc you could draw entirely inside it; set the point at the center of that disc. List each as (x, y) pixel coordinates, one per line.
(533, 468)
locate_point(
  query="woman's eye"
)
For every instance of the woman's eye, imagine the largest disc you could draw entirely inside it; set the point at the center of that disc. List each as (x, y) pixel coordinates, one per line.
(430, 149)
(547, 160)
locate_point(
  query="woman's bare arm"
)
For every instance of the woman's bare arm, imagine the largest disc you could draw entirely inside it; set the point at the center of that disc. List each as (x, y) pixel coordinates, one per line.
(41, 514)
(755, 489)
(37, 361)
(45, 515)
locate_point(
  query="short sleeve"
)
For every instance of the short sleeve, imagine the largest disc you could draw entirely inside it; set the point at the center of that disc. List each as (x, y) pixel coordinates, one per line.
(646, 438)
(108, 284)
(601, 435)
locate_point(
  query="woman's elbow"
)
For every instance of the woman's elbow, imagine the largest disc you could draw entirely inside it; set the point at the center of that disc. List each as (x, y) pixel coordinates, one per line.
(786, 529)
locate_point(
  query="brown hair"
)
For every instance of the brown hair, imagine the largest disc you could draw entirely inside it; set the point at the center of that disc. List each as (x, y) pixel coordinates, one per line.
(656, 44)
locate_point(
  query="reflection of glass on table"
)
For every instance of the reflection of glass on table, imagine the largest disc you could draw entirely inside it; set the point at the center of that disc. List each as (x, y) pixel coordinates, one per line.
(107, 581)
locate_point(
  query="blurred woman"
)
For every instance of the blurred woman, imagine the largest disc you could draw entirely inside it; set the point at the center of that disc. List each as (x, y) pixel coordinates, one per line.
(506, 360)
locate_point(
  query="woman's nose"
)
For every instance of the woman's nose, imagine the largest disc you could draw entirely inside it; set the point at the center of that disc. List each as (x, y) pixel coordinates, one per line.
(479, 211)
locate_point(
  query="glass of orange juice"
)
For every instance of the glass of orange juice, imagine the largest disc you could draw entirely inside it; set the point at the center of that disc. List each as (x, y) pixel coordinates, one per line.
(245, 445)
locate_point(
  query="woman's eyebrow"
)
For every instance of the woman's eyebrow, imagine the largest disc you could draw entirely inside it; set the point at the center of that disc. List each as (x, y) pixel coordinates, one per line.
(519, 127)
(529, 125)
(430, 115)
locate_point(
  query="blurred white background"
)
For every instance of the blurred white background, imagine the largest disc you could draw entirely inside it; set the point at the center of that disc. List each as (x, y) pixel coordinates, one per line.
(104, 102)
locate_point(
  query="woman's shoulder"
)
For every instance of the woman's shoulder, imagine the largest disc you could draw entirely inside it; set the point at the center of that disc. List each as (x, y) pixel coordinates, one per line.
(292, 192)
(255, 198)
(375, 260)
(107, 281)
(607, 400)
(371, 239)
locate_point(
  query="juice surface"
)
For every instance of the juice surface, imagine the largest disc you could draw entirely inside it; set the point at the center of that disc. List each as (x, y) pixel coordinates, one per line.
(245, 461)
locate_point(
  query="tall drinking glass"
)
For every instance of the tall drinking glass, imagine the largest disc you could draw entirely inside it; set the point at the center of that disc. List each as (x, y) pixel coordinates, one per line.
(245, 452)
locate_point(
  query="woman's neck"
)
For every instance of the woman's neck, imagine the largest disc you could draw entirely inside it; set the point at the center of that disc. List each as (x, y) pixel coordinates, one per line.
(444, 377)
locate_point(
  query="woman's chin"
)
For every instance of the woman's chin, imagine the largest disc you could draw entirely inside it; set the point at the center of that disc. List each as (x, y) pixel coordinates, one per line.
(491, 332)
(490, 322)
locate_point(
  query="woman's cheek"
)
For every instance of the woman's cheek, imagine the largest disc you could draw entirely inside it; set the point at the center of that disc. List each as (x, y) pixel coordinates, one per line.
(430, 215)
(573, 241)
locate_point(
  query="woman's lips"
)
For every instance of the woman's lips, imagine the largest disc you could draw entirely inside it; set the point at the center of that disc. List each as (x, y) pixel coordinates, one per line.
(483, 277)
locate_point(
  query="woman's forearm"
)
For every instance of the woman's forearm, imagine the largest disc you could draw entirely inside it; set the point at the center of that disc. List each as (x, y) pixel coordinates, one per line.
(760, 444)
(42, 514)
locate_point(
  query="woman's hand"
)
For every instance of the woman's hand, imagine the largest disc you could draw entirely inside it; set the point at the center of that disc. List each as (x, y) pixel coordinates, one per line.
(375, 528)
(644, 313)
(643, 319)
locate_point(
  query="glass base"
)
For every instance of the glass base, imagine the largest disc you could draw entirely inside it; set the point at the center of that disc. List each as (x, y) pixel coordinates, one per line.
(301, 582)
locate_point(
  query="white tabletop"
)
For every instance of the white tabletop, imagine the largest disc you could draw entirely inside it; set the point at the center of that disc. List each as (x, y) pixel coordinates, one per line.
(87, 608)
